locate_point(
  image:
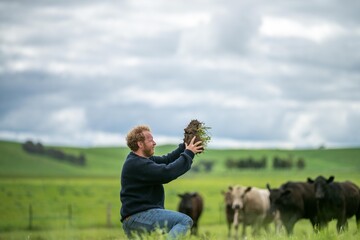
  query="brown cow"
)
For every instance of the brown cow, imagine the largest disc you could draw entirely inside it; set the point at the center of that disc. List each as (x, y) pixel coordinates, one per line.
(229, 211)
(192, 205)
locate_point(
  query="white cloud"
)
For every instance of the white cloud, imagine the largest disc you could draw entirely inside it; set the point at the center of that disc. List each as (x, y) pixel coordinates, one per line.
(281, 27)
(184, 98)
(303, 131)
(67, 120)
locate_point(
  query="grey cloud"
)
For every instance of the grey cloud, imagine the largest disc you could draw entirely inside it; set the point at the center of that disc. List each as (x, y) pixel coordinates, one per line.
(64, 67)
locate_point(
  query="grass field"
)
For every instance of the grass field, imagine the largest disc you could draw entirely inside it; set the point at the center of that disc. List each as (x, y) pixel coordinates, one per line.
(70, 202)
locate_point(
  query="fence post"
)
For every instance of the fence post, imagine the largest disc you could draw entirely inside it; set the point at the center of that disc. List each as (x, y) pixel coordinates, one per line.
(30, 216)
(220, 211)
(70, 214)
(108, 215)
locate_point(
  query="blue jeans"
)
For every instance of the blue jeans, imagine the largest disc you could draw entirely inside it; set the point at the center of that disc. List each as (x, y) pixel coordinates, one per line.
(176, 224)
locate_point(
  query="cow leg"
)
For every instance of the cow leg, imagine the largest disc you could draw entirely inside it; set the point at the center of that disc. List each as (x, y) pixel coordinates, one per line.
(266, 227)
(236, 228)
(229, 229)
(339, 226)
(244, 231)
(236, 223)
(194, 228)
(341, 223)
(256, 228)
(278, 225)
(315, 224)
(346, 225)
(323, 224)
(289, 224)
(289, 229)
(358, 219)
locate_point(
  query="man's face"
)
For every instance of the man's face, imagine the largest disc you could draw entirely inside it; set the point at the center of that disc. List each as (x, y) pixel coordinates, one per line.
(148, 146)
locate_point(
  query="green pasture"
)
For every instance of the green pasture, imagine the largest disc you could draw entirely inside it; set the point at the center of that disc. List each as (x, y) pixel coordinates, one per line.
(90, 199)
(42, 198)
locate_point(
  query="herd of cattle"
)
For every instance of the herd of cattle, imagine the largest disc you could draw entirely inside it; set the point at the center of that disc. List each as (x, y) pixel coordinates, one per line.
(320, 201)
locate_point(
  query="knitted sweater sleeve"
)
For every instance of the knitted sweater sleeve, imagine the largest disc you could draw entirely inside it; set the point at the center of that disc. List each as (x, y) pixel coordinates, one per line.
(147, 171)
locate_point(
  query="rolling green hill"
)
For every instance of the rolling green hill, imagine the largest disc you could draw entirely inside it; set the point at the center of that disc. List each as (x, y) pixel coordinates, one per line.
(107, 161)
(16, 162)
(50, 187)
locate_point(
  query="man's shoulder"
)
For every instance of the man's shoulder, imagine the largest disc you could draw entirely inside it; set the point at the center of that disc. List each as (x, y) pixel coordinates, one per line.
(133, 159)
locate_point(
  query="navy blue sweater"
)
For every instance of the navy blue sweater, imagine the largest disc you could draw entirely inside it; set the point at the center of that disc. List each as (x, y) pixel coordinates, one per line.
(142, 179)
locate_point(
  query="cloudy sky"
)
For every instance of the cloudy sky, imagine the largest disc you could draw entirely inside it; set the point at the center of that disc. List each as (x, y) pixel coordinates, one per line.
(259, 73)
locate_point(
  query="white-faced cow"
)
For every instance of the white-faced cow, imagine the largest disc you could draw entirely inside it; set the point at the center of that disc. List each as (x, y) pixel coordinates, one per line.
(254, 206)
(294, 201)
(192, 205)
(336, 200)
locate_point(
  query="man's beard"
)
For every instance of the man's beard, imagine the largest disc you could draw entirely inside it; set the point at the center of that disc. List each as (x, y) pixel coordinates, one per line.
(148, 152)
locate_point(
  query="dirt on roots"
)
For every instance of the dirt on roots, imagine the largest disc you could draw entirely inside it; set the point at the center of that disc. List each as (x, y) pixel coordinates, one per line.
(197, 129)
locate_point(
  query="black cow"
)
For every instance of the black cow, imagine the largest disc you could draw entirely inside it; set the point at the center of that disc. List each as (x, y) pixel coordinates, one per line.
(336, 200)
(192, 205)
(295, 201)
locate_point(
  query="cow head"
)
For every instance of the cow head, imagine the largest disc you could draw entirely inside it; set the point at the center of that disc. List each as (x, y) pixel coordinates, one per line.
(238, 194)
(321, 185)
(274, 197)
(285, 197)
(228, 198)
(186, 205)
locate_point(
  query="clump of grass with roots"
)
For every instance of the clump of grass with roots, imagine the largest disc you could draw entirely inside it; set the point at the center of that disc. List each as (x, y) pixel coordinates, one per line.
(199, 130)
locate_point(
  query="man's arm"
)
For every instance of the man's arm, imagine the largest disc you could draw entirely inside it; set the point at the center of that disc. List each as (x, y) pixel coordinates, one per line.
(170, 157)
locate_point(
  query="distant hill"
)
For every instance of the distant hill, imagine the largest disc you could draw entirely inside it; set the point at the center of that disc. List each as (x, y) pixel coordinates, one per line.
(107, 161)
(15, 161)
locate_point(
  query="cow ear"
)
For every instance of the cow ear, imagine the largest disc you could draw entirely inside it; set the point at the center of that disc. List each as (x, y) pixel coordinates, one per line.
(193, 194)
(268, 186)
(230, 188)
(286, 192)
(309, 180)
(331, 179)
(248, 189)
(180, 195)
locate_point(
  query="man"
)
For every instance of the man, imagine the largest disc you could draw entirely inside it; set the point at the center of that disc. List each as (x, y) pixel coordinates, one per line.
(142, 178)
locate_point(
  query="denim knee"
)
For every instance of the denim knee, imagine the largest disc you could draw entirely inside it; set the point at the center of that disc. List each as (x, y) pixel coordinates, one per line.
(187, 221)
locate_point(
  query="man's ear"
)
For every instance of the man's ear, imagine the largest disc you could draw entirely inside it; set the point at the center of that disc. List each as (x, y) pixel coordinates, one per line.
(140, 144)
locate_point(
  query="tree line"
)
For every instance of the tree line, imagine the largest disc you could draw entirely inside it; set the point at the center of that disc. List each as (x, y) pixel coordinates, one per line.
(252, 163)
(38, 148)
(203, 166)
